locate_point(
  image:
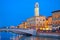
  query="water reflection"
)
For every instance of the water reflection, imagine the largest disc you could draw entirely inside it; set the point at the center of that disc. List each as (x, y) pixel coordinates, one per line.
(0, 35)
(7, 36)
(38, 38)
(12, 36)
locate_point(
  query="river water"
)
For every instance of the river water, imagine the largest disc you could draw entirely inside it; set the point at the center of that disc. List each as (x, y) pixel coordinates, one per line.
(13, 36)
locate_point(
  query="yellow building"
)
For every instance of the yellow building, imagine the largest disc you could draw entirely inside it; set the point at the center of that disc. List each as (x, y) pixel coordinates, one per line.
(50, 22)
(23, 25)
(47, 24)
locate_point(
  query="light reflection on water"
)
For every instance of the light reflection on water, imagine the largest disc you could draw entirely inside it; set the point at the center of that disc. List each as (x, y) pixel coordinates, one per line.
(7, 36)
(38, 38)
(12, 36)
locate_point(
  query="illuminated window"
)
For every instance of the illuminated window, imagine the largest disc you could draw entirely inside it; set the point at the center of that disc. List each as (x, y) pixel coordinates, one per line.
(43, 28)
(47, 28)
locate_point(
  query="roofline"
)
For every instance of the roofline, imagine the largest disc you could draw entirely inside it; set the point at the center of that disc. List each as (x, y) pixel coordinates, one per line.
(35, 17)
(56, 11)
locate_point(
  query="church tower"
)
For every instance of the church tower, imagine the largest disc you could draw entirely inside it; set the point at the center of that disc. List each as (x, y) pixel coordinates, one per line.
(36, 9)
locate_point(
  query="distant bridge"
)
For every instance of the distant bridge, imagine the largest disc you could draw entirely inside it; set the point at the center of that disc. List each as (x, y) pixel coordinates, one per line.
(21, 31)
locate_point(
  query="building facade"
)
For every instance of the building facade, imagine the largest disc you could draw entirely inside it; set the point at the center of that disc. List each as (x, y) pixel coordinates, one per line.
(36, 22)
(23, 25)
(49, 22)
(56, 18)
(41, 22)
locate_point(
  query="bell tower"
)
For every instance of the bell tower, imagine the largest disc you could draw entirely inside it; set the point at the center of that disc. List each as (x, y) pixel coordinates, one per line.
(36, 9)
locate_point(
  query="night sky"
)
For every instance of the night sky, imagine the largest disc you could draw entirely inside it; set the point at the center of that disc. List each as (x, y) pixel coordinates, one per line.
(14, 12)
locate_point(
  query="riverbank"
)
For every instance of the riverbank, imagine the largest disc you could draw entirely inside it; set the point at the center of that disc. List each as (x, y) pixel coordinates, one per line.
(52, 35)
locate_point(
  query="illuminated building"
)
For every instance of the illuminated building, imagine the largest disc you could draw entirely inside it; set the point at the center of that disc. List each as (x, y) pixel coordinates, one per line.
(23, 25)
(41, 22)
(37, 21)
(56, 18)
(49, 22)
